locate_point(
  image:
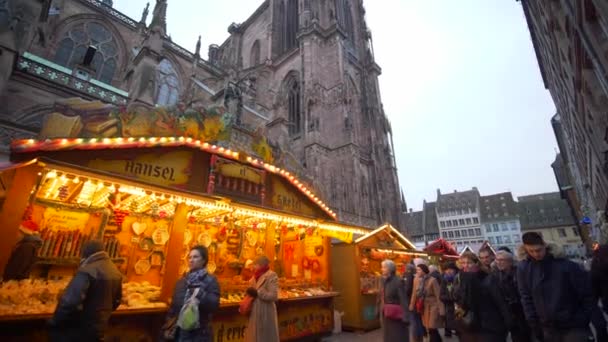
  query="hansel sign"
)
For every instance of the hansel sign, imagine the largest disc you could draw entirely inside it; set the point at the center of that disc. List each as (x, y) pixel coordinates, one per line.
(168, 169)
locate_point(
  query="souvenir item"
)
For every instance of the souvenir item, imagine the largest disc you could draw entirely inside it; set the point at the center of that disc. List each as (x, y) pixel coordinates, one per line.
(251, 237)
(211, 267)
(161, 235)
(146, 244)
(204, 239)
(139, 228)
(142, 266)
(187, 236)
(157, 258)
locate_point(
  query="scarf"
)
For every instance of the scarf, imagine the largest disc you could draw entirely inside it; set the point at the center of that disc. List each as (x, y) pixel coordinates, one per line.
(195, 278)
(261, 272)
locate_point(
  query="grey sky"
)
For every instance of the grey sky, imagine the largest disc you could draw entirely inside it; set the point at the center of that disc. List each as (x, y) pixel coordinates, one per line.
(460, 85)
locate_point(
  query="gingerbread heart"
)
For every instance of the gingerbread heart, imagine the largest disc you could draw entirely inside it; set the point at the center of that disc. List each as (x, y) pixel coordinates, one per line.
(139, 228)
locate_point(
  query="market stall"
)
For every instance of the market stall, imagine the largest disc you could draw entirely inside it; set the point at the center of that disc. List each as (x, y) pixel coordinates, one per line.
(441, 252)
(359, 282)
(150, 199)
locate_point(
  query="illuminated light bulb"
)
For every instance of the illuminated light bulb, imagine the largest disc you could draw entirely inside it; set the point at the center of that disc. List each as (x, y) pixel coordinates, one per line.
(100, 185)
(131, 139)
(213, 147)
(142, 139)
(63, 141)
(51, 174)
(153, 139)
(172, 139)
(30, 141)
(163, 140)
(76, 180)
(235, 154)
(119, 140)
(79, 140)
(106, 141)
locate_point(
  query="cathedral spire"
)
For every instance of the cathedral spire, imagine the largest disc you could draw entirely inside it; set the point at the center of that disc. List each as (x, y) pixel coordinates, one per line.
(144, 15)
(159, 16)
(197, 52)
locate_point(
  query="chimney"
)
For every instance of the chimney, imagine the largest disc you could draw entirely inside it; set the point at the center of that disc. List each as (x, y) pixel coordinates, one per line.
(411, 210)
(438, 192)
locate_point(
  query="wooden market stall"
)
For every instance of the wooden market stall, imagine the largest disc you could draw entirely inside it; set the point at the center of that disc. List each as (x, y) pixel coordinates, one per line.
(150, 199)
(441, 252)
(359, 282)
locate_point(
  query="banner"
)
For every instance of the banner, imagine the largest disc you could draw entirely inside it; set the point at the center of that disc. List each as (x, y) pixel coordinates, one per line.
(340, 235)
(61, 219)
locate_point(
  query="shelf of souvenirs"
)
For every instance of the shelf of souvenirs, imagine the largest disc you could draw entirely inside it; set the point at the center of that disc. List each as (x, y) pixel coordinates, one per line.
(290, 290)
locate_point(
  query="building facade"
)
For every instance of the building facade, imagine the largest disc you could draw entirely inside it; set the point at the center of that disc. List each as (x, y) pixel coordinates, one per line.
(422, 226)
(551, 216)
(500, 220)
(299, 72)
(458, 216)
(570, 39)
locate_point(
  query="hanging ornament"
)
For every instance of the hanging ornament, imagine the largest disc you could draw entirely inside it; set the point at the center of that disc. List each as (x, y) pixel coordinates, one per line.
(309, 231)
(191, 219)
(119, 216)
(154, 209)
(217, 220)
(254, 226)
(133, 206)
(63, 192)
(162, 214)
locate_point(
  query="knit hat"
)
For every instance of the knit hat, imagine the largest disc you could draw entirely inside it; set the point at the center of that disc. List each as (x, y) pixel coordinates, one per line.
(532, 238)
(91, 247)
(424, 268)
(29, 227)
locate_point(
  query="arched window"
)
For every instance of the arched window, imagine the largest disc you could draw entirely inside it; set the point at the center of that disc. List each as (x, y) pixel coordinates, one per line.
(167, 90)
(287, 25)
(254, 58)
(345, 19)
(74, 44)
(293, 107)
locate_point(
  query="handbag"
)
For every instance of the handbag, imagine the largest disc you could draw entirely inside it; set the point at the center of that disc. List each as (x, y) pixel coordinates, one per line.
(189, 316)
(169, 329)
(246, 305)
(393, 311)
(420, 305)
(420, 294)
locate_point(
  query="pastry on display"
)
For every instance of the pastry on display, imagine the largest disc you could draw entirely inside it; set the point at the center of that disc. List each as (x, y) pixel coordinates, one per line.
(28, 296)
(140, 296)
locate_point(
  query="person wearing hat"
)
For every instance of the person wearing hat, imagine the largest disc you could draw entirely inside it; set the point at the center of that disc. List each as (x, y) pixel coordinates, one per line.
(446, 294)
(23, 256)
(555, 292)
(89, 299)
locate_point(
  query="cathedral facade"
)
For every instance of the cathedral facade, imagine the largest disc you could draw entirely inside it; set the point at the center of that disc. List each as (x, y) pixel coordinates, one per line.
(299, 72)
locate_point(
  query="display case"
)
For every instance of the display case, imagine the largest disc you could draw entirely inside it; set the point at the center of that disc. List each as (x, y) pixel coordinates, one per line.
(359, 282)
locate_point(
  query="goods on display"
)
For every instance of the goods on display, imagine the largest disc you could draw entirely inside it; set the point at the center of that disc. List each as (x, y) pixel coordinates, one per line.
(28, 296)
(140, 296)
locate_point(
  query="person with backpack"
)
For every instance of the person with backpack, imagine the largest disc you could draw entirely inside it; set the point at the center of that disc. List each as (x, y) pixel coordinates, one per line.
(425, 300)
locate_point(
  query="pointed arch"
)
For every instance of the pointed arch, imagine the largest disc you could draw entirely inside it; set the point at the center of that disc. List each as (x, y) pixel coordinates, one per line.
(254, 56)
(293, 97)
(345, 19)
(167, 81)
(287, 24)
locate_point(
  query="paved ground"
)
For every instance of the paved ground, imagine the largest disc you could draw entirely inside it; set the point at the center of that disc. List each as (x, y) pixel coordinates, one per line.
(371, 336)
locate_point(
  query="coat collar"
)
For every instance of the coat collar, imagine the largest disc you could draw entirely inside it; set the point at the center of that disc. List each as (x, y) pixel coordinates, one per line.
(263, 278)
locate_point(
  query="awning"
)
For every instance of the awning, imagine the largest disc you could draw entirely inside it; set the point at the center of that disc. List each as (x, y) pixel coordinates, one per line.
(7, 165)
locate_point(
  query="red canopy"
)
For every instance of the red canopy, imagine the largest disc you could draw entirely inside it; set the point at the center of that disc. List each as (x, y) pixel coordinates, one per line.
(440, 246)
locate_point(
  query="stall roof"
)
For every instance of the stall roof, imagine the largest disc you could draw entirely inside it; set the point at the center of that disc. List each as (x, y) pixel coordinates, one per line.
(392, 232)
(441, 246)
(63, 144)
(475, 248)
(6, 165)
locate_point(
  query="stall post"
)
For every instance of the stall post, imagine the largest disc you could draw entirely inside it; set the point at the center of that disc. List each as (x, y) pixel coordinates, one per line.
(176, 243)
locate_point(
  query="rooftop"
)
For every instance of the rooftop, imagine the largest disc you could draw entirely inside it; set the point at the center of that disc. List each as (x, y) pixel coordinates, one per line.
(498, 207)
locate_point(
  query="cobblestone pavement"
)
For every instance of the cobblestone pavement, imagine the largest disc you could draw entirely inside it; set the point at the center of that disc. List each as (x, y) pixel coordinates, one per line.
(371, 336)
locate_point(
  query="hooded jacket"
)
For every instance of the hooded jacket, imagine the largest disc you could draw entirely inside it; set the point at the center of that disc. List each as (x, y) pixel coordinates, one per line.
(555, 292)
(22, 258)
(88, 301)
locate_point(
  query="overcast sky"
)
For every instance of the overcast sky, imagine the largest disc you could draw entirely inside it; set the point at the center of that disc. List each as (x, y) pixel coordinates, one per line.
(460, 84)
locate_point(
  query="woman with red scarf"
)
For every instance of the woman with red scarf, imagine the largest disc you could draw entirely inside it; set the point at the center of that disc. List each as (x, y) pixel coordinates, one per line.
(263, 325)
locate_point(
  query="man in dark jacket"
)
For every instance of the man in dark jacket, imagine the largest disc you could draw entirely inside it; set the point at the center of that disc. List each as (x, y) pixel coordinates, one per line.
(23, 256)
(555, 293)
(446, 294)
(89, 299)
(506, 282)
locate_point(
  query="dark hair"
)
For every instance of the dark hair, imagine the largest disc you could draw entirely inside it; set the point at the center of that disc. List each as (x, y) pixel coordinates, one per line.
(451, 266)
(424, 268)
(505, 248)
(91, 247)
(470, 256)
(532, 238)
(202, 250)
(486, 250)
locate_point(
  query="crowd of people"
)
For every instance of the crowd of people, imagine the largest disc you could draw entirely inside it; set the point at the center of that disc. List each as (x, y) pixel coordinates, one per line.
(532, 294)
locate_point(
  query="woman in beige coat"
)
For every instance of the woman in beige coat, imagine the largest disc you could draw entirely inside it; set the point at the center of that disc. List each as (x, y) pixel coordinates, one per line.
(427, 287)
(263, 325)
